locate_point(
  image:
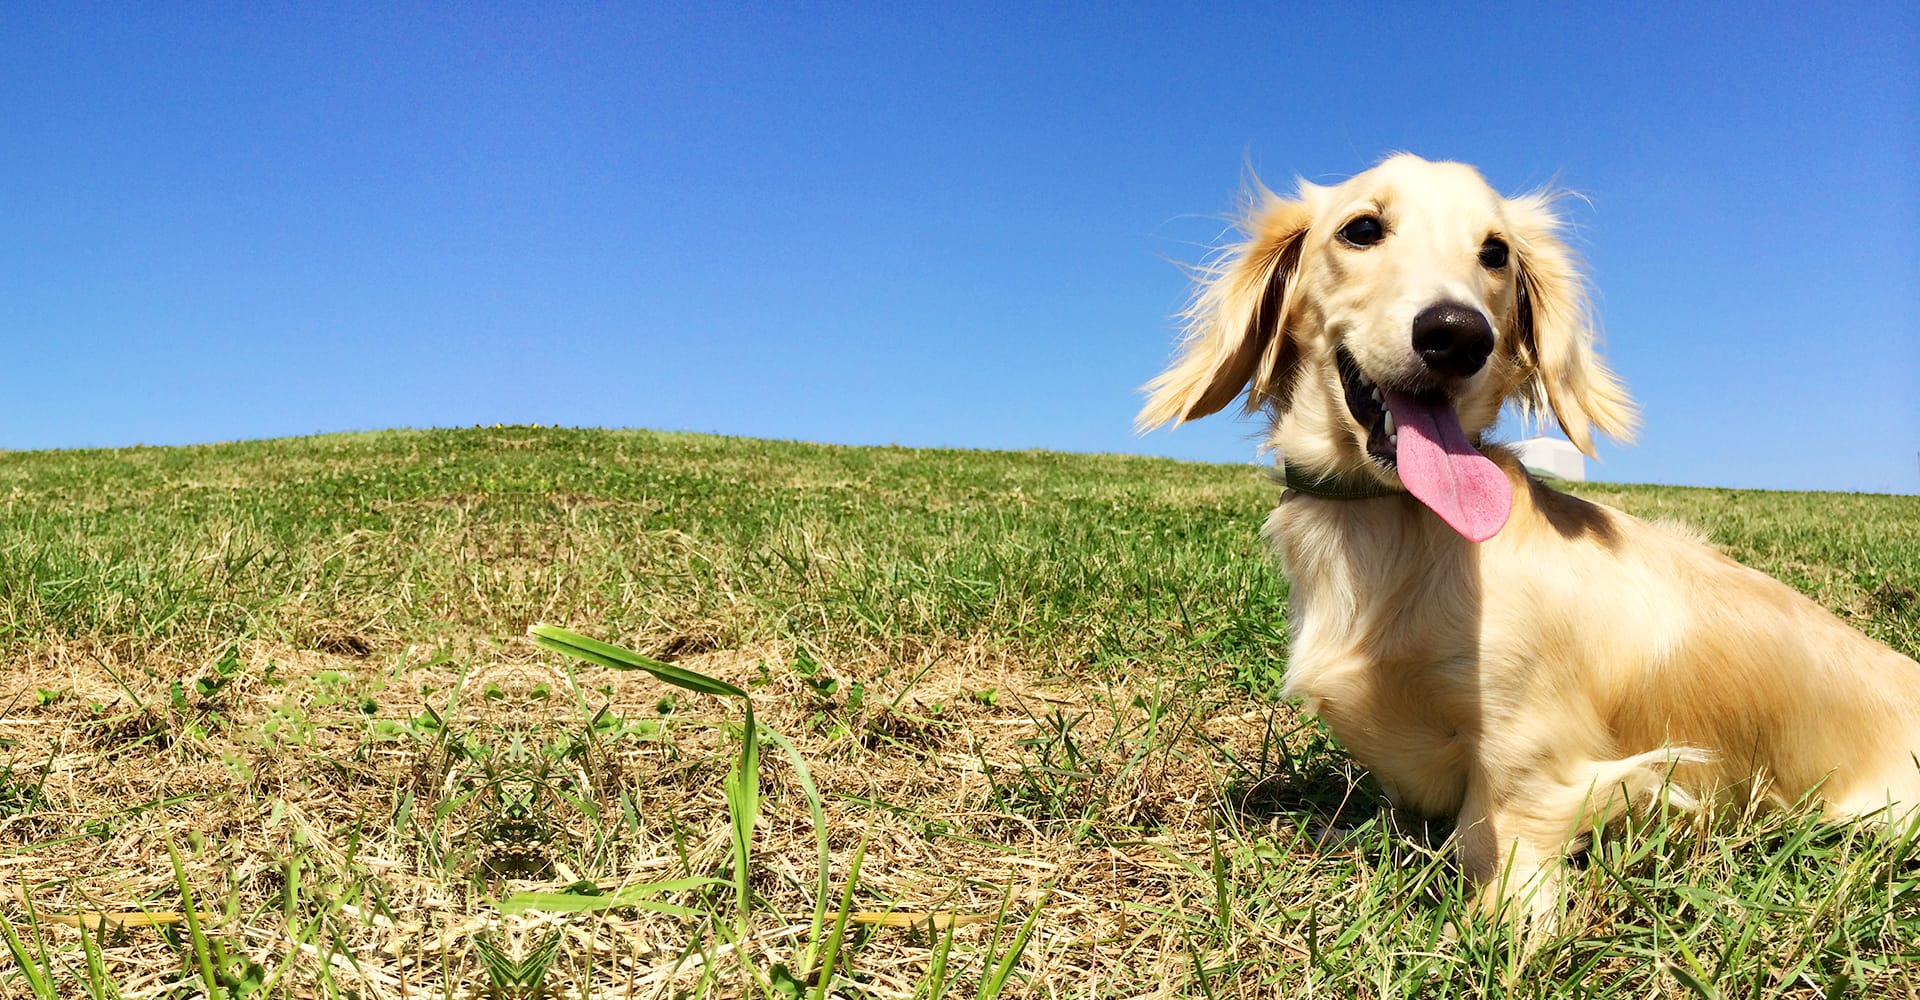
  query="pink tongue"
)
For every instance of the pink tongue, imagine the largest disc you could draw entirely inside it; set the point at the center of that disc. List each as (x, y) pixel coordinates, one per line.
(1444, 472)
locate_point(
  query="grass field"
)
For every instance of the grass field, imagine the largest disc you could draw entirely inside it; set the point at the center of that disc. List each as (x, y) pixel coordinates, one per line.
(271, 725)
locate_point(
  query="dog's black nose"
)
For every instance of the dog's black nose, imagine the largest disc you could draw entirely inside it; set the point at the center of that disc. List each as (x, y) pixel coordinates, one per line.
(1452, 339)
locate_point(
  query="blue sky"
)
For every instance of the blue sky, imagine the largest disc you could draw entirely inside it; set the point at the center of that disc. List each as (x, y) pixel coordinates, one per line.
(951, 225)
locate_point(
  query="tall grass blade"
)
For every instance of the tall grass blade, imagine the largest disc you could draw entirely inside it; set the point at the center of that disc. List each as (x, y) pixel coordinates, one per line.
(996, 981)
(817, 812)
(32, 967)
(202, 951)
(832, 955)
(581, 647)
(743, 808)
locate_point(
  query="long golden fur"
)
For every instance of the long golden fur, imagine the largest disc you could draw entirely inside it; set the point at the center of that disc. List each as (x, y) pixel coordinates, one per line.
(1579, 662)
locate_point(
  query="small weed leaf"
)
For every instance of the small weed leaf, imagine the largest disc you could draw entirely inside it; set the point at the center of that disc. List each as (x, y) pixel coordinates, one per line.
(517, 976)
(581, 647)
(784, 983)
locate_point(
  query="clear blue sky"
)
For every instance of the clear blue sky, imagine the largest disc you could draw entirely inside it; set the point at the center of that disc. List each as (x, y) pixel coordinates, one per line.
(901, 223)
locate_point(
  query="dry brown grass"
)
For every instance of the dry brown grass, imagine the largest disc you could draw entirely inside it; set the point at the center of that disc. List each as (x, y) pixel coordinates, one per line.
(241, 803)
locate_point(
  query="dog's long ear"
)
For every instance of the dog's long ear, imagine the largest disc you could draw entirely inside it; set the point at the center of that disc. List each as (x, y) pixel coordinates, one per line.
(1555, 333)
(1235, 328)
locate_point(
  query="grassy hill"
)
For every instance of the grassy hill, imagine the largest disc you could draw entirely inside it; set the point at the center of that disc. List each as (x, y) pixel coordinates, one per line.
(1032, 692)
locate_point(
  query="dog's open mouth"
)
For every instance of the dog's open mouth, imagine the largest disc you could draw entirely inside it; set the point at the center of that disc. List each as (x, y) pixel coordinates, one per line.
(1418, 435)
(1368, 404)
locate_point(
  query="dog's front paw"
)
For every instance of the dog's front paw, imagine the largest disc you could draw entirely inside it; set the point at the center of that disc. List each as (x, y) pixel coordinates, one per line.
(1533, 904)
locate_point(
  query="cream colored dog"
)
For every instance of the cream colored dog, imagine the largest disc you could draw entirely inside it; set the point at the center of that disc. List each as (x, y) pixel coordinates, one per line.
(1525, 661)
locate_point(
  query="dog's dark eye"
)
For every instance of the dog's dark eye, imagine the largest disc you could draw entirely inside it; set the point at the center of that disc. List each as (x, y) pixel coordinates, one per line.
(1493, 253)
(1364, 231)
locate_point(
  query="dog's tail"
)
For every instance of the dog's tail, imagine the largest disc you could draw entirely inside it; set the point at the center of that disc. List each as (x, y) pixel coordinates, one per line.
(1615, 788)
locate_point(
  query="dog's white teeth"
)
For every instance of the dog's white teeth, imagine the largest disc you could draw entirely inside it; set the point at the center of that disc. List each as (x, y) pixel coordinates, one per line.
(1376, 396)
(1389, 422)
(1394, 440)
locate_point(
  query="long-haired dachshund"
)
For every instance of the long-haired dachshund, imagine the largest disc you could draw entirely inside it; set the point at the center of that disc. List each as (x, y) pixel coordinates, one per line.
(1527, 662)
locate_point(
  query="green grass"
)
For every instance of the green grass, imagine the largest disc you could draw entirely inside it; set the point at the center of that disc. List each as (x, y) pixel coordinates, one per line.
(1022, 705)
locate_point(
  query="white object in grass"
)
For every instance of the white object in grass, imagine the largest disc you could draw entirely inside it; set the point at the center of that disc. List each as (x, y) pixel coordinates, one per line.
(1551, 456)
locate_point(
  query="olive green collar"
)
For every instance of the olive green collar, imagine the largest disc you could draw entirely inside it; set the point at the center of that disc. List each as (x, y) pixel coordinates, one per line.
(1333, 487)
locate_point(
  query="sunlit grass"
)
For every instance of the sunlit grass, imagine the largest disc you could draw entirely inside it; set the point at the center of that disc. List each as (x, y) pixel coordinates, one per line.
(1012, 733)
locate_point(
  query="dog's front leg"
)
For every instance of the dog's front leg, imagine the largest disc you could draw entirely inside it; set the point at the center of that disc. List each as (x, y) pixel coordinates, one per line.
(1514, 833)
(1514, 852)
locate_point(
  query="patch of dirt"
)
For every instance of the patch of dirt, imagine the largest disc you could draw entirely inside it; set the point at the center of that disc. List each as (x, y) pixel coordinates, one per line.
(685, 644)
(1893, 596)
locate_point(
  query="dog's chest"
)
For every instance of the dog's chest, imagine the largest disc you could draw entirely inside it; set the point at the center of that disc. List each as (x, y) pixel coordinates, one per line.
(1381, 657)
(1414, 724)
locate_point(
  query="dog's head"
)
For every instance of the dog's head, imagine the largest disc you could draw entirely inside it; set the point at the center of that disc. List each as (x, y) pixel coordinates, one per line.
(1384, 321)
